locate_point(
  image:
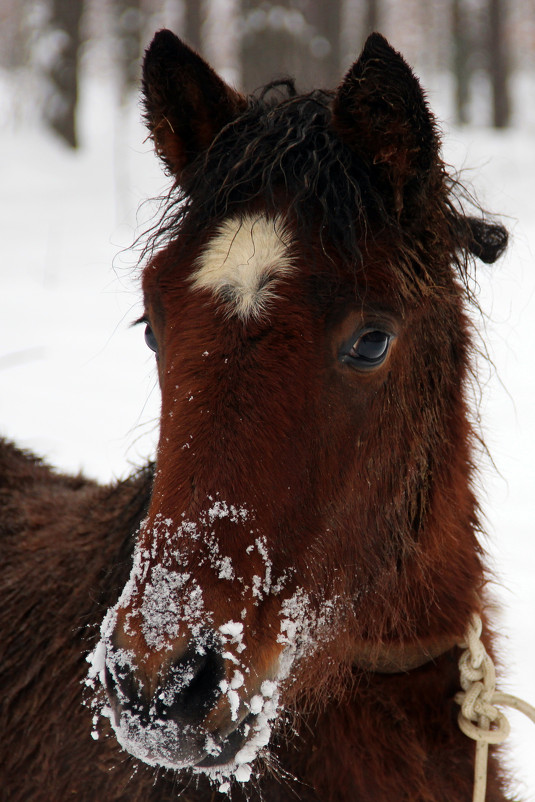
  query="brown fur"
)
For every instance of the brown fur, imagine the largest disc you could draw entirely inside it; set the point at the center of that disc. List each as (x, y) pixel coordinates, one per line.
(360, 483)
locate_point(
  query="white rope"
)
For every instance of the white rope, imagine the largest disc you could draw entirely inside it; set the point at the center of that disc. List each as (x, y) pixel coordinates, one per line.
(479, 717)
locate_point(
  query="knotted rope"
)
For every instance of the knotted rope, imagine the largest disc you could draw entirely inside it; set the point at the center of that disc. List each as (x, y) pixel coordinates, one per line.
(479, 717)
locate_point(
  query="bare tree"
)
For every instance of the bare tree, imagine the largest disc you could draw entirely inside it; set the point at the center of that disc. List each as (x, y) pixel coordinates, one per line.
(498, 63)
(64, 35)
(193, 20)
(128, 20)
(12, 39)
(461, 69)
(325, 44)
(291, 38)
(270, 48)
(372, 17)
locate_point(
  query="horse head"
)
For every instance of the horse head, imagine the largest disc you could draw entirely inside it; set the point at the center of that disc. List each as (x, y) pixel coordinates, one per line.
(312, 511)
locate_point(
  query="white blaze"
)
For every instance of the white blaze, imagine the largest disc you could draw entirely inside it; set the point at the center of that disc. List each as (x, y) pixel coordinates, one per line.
(242, 262)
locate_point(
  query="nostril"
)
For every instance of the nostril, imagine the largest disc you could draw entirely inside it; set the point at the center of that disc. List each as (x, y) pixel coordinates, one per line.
(193, 685)
(185, 691)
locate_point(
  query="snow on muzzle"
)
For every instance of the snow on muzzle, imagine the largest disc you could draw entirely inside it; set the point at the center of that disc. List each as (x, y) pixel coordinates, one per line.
(195, 716)
(186, 687)
(201, 713)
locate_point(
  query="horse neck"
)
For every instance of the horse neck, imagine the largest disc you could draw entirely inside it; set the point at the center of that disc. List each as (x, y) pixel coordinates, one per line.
(389, 737)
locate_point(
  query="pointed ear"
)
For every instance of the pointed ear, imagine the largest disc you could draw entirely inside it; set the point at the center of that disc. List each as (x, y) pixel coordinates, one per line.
(186, 102)
(381, 113)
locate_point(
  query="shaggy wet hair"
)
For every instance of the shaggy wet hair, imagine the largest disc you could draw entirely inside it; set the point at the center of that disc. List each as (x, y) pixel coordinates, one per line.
(284, 146)
(283, 149)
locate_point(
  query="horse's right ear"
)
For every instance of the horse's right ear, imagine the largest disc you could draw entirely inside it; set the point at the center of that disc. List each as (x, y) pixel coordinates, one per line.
(186, 102)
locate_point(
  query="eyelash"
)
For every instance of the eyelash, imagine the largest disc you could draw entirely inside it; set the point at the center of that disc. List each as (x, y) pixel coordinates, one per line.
(150, 338)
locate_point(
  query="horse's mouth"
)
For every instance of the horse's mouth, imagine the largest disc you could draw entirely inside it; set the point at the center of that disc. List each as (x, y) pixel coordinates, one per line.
(230, 746)
(161, 733)
(169, 745)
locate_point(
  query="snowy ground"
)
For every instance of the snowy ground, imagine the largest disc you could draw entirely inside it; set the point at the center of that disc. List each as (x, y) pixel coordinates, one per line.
(78, 385)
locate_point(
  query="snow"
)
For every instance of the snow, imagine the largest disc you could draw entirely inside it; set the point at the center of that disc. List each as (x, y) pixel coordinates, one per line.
(167, 604)
(265, 707)
(78, 385)
(268, 688)
(234, 629)
(502, 169)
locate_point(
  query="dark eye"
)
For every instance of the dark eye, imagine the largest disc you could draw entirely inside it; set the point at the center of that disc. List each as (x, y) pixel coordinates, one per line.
(369, 350)
(150, 339)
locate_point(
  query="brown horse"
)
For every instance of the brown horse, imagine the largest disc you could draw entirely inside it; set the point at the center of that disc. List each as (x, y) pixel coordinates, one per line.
(305, 552)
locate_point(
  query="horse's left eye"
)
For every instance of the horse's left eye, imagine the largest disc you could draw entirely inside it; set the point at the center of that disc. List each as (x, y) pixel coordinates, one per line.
(369, 350)
(150, 339)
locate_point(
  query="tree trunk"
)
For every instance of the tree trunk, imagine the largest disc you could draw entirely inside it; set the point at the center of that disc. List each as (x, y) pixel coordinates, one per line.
(268, 47)
(325, 43)
(461, 71)
(371, 21)
(193, 19)
(498, 63)
(289, 38)
(60, 112)
(128, 24)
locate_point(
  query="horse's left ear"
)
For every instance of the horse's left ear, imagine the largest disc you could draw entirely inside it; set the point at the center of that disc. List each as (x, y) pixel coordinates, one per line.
(381, 113)
(186, 102)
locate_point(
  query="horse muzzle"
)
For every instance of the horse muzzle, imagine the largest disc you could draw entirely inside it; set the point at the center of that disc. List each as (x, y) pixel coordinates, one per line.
(191, 716)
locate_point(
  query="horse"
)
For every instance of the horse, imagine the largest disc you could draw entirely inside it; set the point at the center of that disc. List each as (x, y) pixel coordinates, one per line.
(272, 610)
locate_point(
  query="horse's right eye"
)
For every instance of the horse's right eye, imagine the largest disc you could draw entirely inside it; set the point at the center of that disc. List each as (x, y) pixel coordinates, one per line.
(371, 347)
(150, 339)
(367, 349)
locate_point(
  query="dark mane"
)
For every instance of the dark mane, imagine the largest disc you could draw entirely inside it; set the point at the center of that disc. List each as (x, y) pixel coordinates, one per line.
(285, 145)
(282, 146)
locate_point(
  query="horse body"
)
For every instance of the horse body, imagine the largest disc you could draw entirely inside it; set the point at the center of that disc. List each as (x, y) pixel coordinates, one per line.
(65, 550)
(307, 555)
